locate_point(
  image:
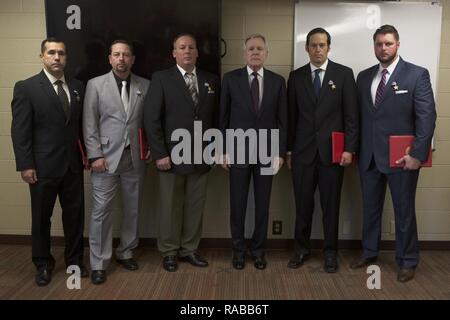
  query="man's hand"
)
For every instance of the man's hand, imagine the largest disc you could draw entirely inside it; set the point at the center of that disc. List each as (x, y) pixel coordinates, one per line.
(29, 176)
(289, 161)
(164, 164)
(99, 165)
(346, 159)
(277, 164)
(225, 163)
(148, 156)
(409, 163)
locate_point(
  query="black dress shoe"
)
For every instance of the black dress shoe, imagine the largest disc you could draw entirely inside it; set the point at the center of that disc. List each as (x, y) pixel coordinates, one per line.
(259, 262)
(330, 264)
(405, 274)
(298, 260)
(195, 260)
(98, 276)
(238, 261)
(362, 262)
(84, 272)
(129, 264)
(170, 263)
(43, 277)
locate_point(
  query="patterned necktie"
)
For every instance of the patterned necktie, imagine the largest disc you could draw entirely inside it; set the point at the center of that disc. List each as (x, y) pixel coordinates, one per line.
(191, 87)
(380, 89)
(254, 88)
(63, 98)
(316, 83)
(124, 96)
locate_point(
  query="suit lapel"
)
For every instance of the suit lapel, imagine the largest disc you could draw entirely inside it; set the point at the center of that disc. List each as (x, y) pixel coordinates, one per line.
(182, 87)
(393, 78)
(134, 87)
(307, 80)
(114, 91)
(329, 75)
(245, 89)
(201, 81)
(267, 90)
(47, 87)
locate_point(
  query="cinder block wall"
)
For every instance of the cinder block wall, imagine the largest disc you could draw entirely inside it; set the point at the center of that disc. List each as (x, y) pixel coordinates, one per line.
(22, 27)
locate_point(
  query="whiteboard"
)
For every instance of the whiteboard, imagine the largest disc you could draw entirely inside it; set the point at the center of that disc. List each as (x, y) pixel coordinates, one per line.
(352, 25)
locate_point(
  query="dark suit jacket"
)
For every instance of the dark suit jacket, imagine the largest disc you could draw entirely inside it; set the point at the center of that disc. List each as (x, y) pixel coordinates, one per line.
(236, 106)
(409, 113)
(42, 139)
(169, 106)
(311, 120)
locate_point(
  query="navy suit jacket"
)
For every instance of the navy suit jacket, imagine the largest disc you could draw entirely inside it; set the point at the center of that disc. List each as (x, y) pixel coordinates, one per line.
(409, 113)
(236, 107)
(42, 139)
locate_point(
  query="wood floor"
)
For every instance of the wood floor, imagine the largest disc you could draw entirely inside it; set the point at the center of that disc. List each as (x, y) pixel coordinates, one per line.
(220, 281)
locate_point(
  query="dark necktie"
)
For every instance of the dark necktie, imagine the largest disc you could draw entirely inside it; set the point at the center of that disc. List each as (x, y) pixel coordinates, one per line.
(191, 87)
(380, 89)
(316, 83)
(254, 88)
(63, 98)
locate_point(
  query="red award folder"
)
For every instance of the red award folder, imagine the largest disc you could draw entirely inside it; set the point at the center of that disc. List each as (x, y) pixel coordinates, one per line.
(143, 145)
(83, 155)
(337, 146)
(398, 146)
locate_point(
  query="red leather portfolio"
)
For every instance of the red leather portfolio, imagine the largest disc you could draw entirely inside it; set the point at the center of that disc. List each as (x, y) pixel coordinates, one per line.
(143, 145)
(337, 146)
(399, 146)
(83, 155)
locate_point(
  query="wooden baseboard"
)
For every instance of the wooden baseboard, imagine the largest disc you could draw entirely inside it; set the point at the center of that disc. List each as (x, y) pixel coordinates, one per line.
(225, 243)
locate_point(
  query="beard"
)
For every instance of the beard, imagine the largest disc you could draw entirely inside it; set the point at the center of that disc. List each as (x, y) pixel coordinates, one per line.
(388, 59)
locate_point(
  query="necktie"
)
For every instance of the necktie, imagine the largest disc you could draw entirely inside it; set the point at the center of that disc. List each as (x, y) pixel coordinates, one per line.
(124, 96)
(316, 83)
(254, 88)
(63, 98)
(380, 88)
(191, 87)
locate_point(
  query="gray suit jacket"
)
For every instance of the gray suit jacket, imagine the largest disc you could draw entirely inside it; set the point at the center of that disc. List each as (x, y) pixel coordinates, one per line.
(105, 121)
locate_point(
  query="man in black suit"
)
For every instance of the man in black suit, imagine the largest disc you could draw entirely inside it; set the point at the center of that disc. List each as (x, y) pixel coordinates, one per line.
(322, 99)
(395, 98)
(46, 110)
(252, 98)
(178, 97)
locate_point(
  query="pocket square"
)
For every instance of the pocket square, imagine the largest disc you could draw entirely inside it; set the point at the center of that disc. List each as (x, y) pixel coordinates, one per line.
(401, 91)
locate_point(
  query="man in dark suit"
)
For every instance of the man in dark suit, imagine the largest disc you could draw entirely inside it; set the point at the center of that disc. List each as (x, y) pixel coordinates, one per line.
(252, 98)
(395, 98)
(322, 99)
(46, 110)
(178, 97)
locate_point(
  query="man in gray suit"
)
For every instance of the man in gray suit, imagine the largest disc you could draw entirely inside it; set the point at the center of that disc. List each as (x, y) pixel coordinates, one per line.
(178, 97)
(112, 118)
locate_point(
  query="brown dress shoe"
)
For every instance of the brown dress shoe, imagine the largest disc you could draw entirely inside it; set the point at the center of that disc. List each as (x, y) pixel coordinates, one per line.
(405, 274)
(362, 262)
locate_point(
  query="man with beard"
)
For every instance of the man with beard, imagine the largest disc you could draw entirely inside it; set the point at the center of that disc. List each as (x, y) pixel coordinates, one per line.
(113, 115)
(395, 98)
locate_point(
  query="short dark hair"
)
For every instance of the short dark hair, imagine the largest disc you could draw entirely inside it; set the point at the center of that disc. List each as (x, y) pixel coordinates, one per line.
(384, 29)
(190, 35)
(50, 39)
(126, 42)
(318, 30)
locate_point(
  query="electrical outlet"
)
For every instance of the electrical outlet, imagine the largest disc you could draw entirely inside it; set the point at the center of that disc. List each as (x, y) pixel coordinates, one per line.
(277, 227)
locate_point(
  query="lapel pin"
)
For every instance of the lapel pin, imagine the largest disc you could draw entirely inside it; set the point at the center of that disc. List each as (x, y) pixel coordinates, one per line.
(332, 85)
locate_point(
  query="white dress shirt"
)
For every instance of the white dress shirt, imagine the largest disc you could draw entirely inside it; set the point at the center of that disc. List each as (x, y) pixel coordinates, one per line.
(183, 72)
(323, 67)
